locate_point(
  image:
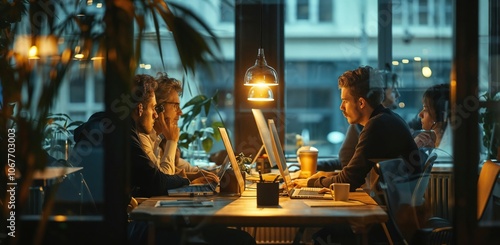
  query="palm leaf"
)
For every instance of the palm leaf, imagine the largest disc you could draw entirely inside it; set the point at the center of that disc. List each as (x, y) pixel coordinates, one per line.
(191, 44)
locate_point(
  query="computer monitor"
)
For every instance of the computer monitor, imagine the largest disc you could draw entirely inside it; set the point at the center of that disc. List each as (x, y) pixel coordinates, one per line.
(280, 155)
(265, 135)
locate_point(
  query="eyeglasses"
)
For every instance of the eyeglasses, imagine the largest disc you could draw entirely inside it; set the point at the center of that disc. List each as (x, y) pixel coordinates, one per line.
(161, 108)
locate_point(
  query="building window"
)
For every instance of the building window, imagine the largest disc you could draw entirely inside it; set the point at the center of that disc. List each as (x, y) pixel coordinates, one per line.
(325, 11)
(431, 13)
(309, 11)
(302, 9)
(77, 88)
(226, 12)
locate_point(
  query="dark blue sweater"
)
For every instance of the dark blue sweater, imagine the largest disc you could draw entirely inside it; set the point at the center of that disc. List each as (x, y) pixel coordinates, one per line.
(386, 135)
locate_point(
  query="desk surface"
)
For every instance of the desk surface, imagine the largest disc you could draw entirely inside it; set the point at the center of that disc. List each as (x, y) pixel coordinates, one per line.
(243, 211)
(54, 172)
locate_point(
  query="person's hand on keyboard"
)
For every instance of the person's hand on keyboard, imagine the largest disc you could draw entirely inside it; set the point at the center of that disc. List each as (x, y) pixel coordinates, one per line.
(325, 190)
(210, 177)
(203, 177)
(297, 183)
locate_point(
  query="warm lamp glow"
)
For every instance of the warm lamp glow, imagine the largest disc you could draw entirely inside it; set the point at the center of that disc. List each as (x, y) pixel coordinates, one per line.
(260, 76)
(47, 46)
(39, 47)
(32, 53)
(261, 73)
(60, 218)
(79, 56)
(260, 93)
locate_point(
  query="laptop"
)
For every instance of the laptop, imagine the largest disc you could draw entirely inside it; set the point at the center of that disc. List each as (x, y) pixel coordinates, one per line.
(295, 193)
(193, 190)
(232, 159)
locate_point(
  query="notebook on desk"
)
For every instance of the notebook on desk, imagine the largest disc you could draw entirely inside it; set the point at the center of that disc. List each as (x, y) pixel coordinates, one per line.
(200, 189)
(298, 193)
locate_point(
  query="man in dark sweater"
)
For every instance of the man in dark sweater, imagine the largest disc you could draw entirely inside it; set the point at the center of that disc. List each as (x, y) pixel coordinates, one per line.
(391, 96)
(385, 135)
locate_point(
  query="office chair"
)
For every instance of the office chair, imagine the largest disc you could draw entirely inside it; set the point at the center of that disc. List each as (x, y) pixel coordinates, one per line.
(399, 187)
(396, 186)
(434, 230)
(485, 183)
(442, 231)
(418, 199)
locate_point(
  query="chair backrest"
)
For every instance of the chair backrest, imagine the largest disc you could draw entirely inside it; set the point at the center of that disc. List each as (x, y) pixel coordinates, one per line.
(420, 211)
(397, 185)
(423, 181)
(486, 182)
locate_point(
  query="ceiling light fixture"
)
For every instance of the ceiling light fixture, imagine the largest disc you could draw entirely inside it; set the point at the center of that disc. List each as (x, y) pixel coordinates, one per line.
(261, 74)
(260, 93)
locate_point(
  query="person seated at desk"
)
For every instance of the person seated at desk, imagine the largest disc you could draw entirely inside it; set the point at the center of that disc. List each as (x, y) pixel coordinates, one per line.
(161, 143)
(151, 181)
(385, 134)
(391, 81)
(434, 116)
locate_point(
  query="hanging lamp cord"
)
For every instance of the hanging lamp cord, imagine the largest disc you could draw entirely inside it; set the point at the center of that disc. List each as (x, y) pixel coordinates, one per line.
(261, 10)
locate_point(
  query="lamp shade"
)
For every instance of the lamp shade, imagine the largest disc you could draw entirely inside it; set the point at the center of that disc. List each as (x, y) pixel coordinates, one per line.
(260, 93)
(261, 73)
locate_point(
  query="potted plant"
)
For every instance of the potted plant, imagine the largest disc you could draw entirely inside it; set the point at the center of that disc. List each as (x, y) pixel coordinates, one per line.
(491, 125)
(244, 162)
(196, 133)
(58, 135)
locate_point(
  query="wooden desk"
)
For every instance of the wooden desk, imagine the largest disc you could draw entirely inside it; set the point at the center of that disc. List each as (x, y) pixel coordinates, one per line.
(243, 211)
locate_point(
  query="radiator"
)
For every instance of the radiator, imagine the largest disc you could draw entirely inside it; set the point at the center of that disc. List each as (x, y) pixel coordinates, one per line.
(440, 194)
(272, 235)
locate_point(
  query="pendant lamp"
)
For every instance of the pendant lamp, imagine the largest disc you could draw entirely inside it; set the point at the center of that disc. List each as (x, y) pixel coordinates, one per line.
(260, 93)
(261, 76)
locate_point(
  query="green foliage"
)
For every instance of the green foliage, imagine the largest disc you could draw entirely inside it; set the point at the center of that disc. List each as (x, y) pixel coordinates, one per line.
(59, 123)
(244, 162)
(491, 125)
(26, 102)
(195, 111)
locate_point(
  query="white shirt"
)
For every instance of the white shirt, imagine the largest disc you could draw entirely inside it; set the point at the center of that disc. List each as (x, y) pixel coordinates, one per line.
(164, 158)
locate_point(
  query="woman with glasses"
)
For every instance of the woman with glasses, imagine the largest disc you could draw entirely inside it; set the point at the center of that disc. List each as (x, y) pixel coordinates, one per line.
(161, 144)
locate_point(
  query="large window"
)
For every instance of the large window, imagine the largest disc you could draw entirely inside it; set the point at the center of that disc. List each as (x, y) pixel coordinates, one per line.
(310, 11)
(432, 13)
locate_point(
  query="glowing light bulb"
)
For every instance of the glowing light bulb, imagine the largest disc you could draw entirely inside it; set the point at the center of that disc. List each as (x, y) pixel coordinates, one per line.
(426, 72)
(33, 52)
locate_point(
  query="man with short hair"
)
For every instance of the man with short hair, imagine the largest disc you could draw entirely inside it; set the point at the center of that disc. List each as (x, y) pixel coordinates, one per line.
(391, 81)
(385, 134)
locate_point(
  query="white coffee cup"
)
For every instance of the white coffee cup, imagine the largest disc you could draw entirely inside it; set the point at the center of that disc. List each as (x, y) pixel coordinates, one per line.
(340, 191)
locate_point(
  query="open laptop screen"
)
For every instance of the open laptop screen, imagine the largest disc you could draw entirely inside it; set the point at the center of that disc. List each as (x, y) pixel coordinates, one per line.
(265, 135)
(232, 158)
